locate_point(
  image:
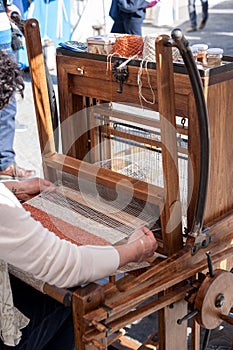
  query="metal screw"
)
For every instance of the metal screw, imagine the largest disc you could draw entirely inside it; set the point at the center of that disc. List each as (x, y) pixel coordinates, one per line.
(220, 300)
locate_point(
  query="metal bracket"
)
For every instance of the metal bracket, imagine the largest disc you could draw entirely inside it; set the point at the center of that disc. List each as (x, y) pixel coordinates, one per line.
(120, 72)
(202, 239)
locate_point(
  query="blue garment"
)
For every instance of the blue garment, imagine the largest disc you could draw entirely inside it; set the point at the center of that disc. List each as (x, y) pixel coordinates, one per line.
(5, 32)
(7, 134)
(193, 14)
(51, 324)
(128, 16)
(8, 113)
(114, 10)
(132, 6)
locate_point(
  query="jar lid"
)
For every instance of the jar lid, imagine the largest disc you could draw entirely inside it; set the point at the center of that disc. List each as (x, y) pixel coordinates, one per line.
(194, 49)
(215, 51)
(201, 47)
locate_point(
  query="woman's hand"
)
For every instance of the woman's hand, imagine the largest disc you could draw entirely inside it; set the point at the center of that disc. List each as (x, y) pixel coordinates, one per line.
(141, 246)
(27, 189)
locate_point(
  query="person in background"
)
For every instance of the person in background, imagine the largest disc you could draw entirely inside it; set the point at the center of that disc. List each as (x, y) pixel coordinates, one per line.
(8, 168)
(128, 15)
(31, 320)
(193, 15)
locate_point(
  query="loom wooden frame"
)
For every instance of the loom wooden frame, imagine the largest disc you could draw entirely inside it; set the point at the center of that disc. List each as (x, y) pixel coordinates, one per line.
(100, 311)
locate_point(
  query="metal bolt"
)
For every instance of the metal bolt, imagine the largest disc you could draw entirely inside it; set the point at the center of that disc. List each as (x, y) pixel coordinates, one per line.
(220, 300)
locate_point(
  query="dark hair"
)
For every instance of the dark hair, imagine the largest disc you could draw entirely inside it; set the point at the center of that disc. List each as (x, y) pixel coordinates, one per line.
(11, 79)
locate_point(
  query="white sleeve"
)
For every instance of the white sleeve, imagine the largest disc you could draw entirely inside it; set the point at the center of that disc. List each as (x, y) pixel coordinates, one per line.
(26, 244)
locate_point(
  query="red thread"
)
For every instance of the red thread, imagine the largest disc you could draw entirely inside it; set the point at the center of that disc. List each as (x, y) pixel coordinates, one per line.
(128, 45)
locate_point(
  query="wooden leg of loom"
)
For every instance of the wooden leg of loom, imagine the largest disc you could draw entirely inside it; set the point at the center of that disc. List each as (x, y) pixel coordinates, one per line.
(195, 340)
(84, 300)
(170, 332)
(151, 343)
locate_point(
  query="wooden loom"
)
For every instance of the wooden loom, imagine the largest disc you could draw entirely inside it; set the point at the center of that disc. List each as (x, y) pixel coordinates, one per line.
(101, 311)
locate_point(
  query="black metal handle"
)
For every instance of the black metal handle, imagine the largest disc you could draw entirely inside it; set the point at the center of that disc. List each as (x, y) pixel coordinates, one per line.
(179, 41)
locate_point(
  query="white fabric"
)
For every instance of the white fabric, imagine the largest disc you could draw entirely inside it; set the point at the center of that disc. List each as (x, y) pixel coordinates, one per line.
(26, 244)
(11, 319)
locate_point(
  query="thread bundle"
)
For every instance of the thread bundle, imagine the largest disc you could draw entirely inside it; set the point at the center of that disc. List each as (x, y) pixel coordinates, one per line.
(128, 45)
(149, 48)
(133, 46)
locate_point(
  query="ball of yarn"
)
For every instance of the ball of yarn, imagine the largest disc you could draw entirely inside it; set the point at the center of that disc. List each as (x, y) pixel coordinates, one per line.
(128, 45)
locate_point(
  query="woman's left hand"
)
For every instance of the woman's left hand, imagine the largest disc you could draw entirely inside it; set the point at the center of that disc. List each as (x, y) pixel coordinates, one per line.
(27, 189)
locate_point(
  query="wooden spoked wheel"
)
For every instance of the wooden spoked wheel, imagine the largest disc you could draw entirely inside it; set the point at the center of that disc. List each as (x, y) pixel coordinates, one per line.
(214, 299)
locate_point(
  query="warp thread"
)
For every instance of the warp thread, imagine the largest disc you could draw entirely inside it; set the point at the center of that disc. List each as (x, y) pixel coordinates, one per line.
(148, 55)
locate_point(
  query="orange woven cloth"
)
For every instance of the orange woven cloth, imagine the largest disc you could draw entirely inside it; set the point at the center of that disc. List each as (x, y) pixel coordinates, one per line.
(128, 45)
(63, 229)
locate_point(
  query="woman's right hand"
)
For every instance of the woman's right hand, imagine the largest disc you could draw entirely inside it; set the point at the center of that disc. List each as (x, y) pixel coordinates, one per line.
(141, 246)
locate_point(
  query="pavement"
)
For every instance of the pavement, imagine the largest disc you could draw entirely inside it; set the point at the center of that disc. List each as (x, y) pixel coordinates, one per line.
(217, 33)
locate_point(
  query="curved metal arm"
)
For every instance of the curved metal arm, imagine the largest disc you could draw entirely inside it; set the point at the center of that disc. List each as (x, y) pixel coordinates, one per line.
(179, 41)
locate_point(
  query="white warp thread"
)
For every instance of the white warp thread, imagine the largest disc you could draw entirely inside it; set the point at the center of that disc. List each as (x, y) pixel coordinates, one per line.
(149, 55)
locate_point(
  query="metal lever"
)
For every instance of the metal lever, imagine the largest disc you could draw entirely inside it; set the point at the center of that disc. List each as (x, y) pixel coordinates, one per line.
(210, 264)
(227, 318)
(188, 316)
(179, 41)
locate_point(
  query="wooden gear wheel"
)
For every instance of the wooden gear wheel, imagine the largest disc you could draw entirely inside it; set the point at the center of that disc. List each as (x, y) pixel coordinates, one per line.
(214, 299)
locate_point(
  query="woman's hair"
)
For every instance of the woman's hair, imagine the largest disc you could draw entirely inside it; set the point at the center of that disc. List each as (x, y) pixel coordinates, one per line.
(11, 79)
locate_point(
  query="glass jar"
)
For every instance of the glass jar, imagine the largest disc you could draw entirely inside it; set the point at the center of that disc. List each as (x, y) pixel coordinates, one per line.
(194, 52)
(214, 56)
(201, 53)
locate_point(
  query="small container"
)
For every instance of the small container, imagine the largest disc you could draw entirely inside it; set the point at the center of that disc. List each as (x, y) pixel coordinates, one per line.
(100, 44)
(194, 52)
(214, 56)
(201, 53)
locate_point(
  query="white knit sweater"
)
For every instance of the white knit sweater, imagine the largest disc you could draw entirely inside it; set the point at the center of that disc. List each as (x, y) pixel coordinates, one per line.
(26, 244)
